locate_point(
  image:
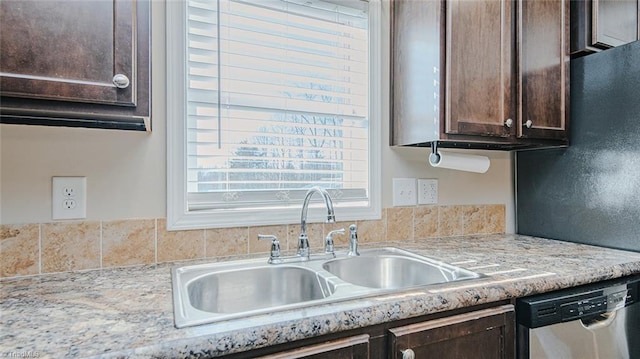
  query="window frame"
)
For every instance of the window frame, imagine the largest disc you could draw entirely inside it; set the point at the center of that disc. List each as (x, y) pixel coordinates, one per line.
(179, 217)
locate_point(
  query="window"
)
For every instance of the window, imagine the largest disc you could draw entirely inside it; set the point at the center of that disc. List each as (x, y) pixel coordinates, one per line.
(265, 99)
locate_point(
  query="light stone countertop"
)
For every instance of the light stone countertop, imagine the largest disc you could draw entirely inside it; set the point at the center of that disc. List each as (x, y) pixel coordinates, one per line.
(128, 312)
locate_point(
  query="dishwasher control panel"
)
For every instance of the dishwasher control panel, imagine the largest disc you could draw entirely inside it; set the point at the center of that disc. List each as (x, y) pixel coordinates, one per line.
(575, 303)
(581, 308)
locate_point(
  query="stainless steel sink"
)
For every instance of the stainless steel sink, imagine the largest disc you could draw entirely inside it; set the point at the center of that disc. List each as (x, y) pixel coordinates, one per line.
(392, 268)
(255, 288)
(220, 291)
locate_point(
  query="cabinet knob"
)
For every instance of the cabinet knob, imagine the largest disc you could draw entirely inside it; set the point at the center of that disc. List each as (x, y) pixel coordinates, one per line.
(508, 122)
(121, 81)
(408, 354)
(528, 123)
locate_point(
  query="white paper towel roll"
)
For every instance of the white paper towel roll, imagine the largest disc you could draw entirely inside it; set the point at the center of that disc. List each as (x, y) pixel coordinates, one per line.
(460, 162)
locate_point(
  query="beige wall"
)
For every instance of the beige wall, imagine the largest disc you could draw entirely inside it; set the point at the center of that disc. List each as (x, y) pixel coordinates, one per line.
(126, 170)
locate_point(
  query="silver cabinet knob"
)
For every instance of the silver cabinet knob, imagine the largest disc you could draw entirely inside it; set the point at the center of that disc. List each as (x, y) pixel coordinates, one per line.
(408, 354)
(121, 81)
(508, 122)
(528, 123)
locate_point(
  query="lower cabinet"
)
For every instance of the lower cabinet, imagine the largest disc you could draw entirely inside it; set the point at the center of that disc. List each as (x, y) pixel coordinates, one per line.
(355, 347)
(486, 331)
(486, 334)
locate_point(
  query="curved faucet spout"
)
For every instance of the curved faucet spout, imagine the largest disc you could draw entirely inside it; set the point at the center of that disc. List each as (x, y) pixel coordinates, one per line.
(303, 240)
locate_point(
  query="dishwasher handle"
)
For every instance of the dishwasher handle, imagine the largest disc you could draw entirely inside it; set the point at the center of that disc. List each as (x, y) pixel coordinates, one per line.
(600, 321)
(616, 300)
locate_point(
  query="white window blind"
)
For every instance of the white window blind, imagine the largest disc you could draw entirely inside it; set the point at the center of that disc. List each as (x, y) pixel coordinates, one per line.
(267, 98)
(277, 101)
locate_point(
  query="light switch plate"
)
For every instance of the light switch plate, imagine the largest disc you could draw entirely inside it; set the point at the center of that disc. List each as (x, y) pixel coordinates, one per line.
(404, 192)
(68, 197)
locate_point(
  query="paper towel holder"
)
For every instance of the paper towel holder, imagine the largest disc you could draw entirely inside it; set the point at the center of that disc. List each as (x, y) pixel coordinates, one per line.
(459, 162)
(434, 157)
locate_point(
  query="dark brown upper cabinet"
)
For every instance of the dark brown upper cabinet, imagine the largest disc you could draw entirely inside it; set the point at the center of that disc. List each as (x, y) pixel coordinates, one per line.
(479, 68)
(480, 74)
(75, 63)
(602, 24)
(543, 76)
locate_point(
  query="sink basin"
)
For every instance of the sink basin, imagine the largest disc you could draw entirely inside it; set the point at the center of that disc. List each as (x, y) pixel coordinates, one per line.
(220, 291)
(249, 289)
(392, 268)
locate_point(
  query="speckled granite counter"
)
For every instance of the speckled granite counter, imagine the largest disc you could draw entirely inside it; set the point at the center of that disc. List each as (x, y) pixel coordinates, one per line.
(129, 312)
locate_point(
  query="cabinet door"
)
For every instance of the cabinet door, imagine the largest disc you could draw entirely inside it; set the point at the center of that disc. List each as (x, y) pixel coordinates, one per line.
(484, 334)
(355, 347)
(75, 59)
(615, 22)
(602, 24)
(543, 79)
(479, 67)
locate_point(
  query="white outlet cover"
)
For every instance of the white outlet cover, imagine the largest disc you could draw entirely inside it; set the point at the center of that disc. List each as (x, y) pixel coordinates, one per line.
(427, 191)
(68, 197)
(404, 192)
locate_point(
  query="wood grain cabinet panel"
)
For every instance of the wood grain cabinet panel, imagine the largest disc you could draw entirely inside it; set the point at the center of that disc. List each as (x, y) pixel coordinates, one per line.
(356, 347)
(484, 334)
(486, 331)
(60, 59)
(480, 66)
(543, 77)
(503, 76)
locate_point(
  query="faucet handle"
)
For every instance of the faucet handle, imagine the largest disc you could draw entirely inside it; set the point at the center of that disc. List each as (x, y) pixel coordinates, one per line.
(274, 257)
(328, 241)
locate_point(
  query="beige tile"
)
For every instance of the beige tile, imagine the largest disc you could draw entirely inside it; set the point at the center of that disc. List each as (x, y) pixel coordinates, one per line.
(227, 241)
(450, 221)
(425, 222)
(496, 218)
(178, 245)
(264, 246)
(68, 246)
(314, 233)
(473, 220)
(128, 242)
(399, 223)
(19, 250)
(373, 231)
(339, 240)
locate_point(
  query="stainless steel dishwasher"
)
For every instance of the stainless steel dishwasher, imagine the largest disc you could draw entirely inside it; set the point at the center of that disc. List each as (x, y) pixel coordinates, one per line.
(596, 321)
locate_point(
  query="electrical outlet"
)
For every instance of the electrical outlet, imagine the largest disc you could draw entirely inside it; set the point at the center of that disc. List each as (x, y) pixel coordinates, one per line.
(69, 204)
(69, 191)
(68, 197)
(404, 192)
(427, 191)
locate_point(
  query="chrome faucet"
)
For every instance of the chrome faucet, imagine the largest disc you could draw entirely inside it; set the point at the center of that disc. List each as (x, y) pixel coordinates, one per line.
(274, 256)
(303, 239)
(329, 248)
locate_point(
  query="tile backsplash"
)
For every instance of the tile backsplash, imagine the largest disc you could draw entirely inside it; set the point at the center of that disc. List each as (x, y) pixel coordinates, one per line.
(39, 248)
